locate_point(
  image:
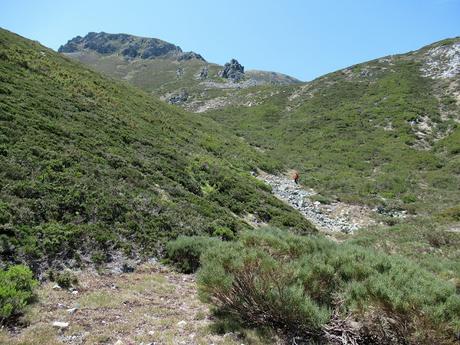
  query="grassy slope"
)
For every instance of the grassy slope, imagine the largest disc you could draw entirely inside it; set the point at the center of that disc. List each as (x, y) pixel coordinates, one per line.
(160, 78)
(90, 165)
(155, 75)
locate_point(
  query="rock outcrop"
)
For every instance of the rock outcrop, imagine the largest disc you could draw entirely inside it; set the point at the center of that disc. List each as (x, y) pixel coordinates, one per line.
(128, 46)
(203, 74)
(442, 61)
(179, 98)
(233, 70)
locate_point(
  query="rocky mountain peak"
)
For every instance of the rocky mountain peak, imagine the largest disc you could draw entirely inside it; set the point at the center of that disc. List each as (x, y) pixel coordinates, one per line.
(128, 46)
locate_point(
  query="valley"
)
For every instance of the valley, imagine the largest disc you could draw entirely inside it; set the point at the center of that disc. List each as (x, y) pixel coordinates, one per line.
(146, 197)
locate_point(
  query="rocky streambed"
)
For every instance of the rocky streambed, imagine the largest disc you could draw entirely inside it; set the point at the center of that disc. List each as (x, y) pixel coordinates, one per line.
(335, 217)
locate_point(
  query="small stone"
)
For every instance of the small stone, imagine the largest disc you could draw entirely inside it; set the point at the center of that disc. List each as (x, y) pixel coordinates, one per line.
(60, 324)
(72, 310)
(74, 292)
(151, 332)
(56, 287)
(118, 342)
(181, 323)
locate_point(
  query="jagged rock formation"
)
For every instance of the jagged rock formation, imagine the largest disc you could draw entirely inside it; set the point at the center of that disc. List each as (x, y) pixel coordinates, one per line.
(179, 98)
(233, 70)
(128, 46)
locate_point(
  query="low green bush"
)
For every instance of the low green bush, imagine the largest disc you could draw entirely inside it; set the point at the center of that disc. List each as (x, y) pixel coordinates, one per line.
(304, 286)
(451, 214)
(64, 279)
(16, 291)
(185, 252)
(224, 233)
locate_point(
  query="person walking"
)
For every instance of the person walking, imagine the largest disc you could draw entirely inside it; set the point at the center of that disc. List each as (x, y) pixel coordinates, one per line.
(296, 177)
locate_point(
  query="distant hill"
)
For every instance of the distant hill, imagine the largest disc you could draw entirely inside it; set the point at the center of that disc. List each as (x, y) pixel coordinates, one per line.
(162, 69)
(91, 168)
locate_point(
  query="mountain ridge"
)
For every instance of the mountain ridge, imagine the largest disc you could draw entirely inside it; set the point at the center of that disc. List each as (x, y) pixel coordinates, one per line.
(128, 46)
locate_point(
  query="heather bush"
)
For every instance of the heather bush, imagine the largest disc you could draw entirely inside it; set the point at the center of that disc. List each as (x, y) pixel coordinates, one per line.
(311, 287)
(16, 291)
(184, 252)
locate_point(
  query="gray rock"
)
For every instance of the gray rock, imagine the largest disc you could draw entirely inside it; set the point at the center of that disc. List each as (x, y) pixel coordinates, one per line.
(178, 98)
(233, 70)
(190, 56)
(60, 324)
(128, 267)
(203, 73)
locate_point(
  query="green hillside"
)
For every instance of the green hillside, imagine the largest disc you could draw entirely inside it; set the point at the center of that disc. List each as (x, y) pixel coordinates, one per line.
(90, 167)
(378, 133)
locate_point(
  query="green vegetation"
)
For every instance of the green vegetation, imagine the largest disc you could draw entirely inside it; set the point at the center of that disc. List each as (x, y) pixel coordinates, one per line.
(64, 279)
(185, 252)
(375, 133)
(16, 291)
(434, 245)
(309, 286)
(90, 166)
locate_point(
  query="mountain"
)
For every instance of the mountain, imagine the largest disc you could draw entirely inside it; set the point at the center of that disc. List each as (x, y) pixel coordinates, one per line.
(163, 70)
(383, 133)
(96, 172)
(91, 168)
(127, 46)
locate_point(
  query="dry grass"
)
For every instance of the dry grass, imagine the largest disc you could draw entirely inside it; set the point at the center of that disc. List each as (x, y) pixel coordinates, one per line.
(148, 306)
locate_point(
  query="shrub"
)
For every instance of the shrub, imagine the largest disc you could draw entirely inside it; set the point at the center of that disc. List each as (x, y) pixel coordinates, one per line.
(451, 214)
(16, 291)
(224, 233)
(65, 279)
(307, 286)
(185, 252)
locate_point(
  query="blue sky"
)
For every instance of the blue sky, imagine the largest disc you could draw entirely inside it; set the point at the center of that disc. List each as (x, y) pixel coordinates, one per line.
(304, 39)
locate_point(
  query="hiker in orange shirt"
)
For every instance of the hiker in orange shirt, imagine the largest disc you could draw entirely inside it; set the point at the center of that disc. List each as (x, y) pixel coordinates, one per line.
(296, 177)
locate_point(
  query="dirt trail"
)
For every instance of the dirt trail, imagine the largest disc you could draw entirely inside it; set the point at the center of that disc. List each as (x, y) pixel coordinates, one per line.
(335, 217)
(153, 305)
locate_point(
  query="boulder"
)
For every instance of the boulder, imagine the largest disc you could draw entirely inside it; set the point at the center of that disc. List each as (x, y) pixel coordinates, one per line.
(178, 98)
(233, 70)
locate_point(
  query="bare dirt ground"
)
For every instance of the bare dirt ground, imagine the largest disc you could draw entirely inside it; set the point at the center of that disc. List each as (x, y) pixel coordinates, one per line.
(153, 305)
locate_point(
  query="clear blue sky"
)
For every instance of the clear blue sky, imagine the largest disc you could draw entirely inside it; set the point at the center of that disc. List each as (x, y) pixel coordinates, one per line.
(302, 38)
